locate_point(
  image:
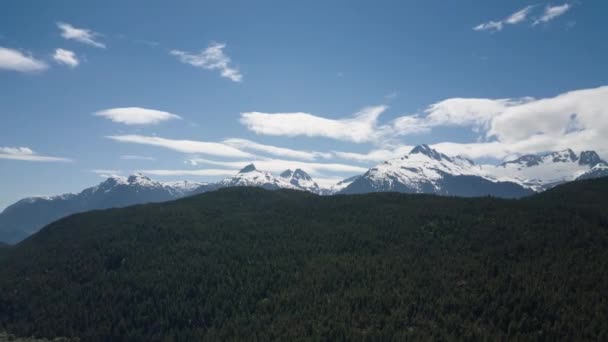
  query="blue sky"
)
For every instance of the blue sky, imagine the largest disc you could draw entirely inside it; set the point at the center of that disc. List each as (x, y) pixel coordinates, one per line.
(194, 90)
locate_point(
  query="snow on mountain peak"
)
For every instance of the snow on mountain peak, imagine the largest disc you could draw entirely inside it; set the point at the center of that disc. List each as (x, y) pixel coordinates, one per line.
(422, 169)
(429, 152)
(542, 171)
(564, 156)
(300, 179)
(140, 179)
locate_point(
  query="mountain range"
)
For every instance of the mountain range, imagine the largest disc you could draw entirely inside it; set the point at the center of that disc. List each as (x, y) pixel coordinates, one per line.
(423, 170)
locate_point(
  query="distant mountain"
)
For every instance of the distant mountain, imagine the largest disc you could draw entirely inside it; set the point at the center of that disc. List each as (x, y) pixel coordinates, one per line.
(425, 170)
(250, 176)
(30, 214)
(543, 171)
(27, 216)
(336, 188)
(301, 180)
(599, 170)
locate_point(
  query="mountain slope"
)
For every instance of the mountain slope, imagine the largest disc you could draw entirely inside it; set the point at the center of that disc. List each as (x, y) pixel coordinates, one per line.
(245, 263)
(425, 170)
(599, 170)
(301, 180)
(543, 171)
(29, 215)
(250, 176)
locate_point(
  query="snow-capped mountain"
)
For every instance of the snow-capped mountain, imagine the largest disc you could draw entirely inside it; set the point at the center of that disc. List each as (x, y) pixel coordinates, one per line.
(425, 170)
(184, 188)
(300, 180)
(250, 176)
(543, 171)
(599, 170)
(27, 216)
(336, 188)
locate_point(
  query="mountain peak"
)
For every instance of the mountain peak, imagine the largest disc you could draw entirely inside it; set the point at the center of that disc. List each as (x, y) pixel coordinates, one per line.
(301, 174)
(566, 155)
(248, 168)
(286, 174)
(138, 178)
(426, 150)
(590, 158)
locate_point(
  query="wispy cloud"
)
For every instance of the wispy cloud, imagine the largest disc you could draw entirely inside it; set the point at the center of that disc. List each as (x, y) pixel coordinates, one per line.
(359, 128)
(489, 26)
(212, 58)
(201, 172)
(244, 144)
(26, 154)
(129, 157)
(497, 25)
(376, 155)
(184, 146)
(66, 57)
(15, 60)
(514, 126)
(136, 115)
(280, 165)
(81, 35)
(518, 16)
(552, 12)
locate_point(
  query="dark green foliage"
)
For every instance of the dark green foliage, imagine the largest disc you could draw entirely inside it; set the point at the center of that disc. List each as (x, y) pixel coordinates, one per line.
(250, 264)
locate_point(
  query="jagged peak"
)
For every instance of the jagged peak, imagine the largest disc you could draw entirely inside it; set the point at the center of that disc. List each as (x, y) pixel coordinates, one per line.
(528, 159)
(429, 152)
(138, 177)
(590, 158)
(286, 174)
(299, 173)
(563, 155)
(114, 180)
(248, 168)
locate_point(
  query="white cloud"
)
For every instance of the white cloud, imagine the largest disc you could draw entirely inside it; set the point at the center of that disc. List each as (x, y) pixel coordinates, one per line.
(202, 172)
(184, 146)
(136, 115)
(244, 144)
(576, 119)
(377, 155)
(518, 16)
(489, 26)
(106, 171)
(15, 60)
(512, 19)
(280, 165)
(506, 127)
(552, 12)
(81, 35)
(362, 127)
(26, 154)
(66, 57)
(552, 116)
(467, 111)
(129, 157)
(212, 58)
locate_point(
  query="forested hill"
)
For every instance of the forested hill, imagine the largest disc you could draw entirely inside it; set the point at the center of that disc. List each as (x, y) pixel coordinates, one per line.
(250, 264)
